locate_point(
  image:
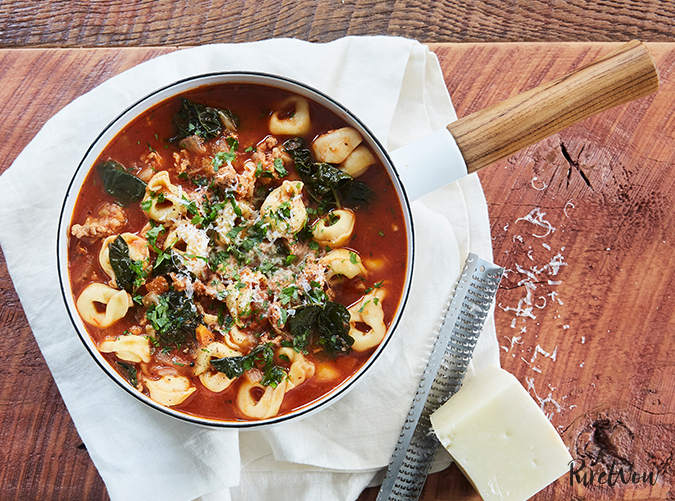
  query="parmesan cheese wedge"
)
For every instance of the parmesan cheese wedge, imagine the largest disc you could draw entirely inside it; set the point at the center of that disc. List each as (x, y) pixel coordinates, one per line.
(500, 438)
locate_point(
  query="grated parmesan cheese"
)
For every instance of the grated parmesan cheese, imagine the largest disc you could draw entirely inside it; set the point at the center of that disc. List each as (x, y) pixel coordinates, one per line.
(536, 217)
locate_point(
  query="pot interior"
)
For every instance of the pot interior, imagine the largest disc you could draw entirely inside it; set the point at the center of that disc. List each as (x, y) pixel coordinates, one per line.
(201, 84)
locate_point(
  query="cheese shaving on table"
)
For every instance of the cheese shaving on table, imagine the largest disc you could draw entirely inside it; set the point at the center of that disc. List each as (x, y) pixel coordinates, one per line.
(536, 217)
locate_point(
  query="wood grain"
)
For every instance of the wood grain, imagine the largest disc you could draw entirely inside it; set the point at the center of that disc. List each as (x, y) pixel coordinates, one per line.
(43, 456)
(79, 23)
(595, 343)
(605, 186)
(498, 131)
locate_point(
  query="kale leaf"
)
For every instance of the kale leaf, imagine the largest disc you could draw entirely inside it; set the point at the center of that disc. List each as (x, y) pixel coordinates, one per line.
(125, 187)
(174, 318)
(333, 326)
(326, 180)
(329, 321)
(201, 120)
(120, 262)
(131, 372)
(328, 185)
(129, 274)
(301, 325)
(359, 193)
(261, 357)
(233, 367)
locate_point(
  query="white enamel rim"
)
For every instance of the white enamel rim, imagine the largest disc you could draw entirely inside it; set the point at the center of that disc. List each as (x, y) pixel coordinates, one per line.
(116, 126)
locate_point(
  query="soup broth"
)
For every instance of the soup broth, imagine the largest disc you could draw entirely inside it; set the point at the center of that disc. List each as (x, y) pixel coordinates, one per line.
(237, 252)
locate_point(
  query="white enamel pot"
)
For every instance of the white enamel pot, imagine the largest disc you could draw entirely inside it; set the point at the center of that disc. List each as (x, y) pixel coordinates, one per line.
(161, 95)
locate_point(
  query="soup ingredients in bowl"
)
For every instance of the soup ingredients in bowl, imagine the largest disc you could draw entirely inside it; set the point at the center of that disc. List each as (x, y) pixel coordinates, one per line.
(237, 252)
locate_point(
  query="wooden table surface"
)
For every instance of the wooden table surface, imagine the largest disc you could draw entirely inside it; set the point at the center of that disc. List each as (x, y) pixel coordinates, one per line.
(581, 221)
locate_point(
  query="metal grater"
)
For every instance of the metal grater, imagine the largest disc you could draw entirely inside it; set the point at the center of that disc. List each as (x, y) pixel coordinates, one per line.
(442, 378)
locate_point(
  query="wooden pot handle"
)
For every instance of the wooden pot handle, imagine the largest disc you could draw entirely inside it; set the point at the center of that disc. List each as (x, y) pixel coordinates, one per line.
(499, 131)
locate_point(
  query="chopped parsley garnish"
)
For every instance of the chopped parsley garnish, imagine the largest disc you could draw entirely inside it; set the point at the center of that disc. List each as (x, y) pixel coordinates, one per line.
(375, 286)
(223, 157)
(191, 206)
(166, 259)
(288, 294)
(279, 167)
(237, 210)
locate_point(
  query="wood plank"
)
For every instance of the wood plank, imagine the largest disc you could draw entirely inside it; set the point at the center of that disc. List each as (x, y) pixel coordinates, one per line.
(37, 83)
(58, 23)
(603, 185)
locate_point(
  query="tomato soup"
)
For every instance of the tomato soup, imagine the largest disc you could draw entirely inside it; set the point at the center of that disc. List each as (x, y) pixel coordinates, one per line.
(237, 252)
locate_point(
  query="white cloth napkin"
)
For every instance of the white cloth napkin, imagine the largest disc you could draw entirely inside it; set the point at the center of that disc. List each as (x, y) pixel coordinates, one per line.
(396, 87)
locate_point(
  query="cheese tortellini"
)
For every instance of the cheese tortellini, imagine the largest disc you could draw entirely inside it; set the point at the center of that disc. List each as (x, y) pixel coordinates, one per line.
(284, 210)
(245, 295)
(301, 368)
(130, 348)
(192, 243)
(343, 262)
(96, 297)
(169, 390)
(334, 230)
(296, 123)
(368, 311)
(335, 146)
(211, 351)
(357, 162)
(138, 251)
(226, 220)
(267, 405)
(210, 378)
(162, 201)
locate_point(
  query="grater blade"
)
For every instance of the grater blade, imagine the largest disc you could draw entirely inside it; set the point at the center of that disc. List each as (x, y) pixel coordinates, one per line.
(442, 378)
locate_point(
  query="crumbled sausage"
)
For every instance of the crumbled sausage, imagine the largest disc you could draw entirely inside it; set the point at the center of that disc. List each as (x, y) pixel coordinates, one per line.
(195, 144)
(158, 285)
(180, 162)
(226, 176)
(266, 153)
(136, 330)
(110, 221)
(153, 160)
